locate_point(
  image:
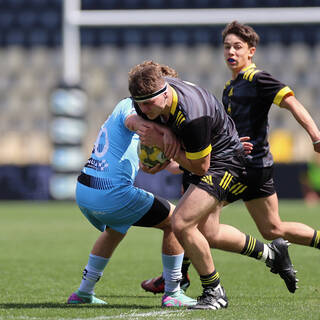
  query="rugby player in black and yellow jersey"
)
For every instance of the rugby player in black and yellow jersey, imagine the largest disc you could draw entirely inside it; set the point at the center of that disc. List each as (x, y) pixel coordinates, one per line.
(214, 156)
(247, 98)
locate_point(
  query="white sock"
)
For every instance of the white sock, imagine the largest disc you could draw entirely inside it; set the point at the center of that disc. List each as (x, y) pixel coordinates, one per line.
(172, 272)
(89, 279)
(92, 273)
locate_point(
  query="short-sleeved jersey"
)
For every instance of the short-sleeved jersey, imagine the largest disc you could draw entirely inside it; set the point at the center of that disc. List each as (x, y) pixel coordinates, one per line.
(248, 99)
(114, 160)
(201, 123)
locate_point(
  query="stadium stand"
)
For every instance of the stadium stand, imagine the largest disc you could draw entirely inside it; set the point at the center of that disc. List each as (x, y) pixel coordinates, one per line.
(31, 66)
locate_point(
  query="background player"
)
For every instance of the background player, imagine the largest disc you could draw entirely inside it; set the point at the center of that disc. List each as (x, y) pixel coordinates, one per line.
(247, 98)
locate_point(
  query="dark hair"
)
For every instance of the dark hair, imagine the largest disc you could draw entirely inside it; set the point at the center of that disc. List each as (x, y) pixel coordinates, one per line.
(245, 32)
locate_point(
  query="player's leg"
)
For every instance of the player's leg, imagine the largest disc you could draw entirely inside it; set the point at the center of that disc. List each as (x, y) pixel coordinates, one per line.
(192, 209)
(159, 216)
(265, 213)
(156, 284)
(230, 239)
(118, 222)
(258, 184)
(98, 260)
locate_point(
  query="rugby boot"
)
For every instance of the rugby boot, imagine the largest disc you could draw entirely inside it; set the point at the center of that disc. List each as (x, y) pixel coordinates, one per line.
(211, 299)
(79, 297)
(281, 264)
(177, 299)
(156, 285)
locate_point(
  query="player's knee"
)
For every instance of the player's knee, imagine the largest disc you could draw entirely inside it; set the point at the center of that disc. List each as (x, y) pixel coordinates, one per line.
(271, 233)
(178, 227)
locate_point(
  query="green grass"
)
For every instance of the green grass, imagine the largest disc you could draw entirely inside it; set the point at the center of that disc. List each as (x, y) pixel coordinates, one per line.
(44, 247)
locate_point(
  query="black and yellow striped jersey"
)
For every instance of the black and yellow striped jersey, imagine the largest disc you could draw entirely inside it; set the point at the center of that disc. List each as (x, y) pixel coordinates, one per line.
(201, 123)
(247, 100)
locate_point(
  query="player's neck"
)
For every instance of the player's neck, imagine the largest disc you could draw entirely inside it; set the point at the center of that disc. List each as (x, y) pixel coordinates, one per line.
(235, 72)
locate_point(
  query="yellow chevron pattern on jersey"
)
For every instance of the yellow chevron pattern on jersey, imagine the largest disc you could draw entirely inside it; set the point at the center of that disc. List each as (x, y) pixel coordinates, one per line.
(229, 108)
(248, 75)
(207, 179)
(238, 188)
(211, 279)
(251, 245)
(225, 181)
(227, 84)
(180, 118)
(230, 92)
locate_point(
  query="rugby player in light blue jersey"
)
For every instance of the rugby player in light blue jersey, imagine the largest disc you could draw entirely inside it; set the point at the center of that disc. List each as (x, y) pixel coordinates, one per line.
(107, 197)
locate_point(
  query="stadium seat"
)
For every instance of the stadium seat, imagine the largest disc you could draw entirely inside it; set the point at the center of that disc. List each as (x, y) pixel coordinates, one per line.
(29, 75)
(154, 4)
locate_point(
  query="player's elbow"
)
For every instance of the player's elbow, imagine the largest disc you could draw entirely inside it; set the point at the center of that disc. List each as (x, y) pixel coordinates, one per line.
(200, 167)
(200, 170)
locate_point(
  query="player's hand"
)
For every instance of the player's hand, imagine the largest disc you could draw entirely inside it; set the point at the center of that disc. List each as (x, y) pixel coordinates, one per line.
(162, 137)
(171, 144)
(247, 146)
(154, 169)
(149, 136)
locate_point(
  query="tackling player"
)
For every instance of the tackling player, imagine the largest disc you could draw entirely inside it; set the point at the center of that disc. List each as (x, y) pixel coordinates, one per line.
(213, 154)
(247, 98)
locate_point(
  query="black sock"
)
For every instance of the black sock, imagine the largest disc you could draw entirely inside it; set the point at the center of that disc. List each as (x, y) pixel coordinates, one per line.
(185, 266)
(253, 248)
(316, 239)
(210, 280)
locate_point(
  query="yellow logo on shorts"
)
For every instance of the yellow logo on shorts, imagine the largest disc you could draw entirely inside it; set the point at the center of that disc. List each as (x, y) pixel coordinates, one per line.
(207, 179)
(238, 188)
(225, 181)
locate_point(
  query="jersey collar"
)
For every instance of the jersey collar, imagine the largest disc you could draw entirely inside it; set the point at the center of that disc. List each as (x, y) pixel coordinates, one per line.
(251, 66)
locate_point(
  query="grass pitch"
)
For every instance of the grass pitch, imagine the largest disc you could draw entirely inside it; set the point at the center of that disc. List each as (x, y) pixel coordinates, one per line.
(44, 247)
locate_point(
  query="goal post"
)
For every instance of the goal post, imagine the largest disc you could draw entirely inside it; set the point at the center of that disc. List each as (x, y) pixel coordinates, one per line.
(74, 18)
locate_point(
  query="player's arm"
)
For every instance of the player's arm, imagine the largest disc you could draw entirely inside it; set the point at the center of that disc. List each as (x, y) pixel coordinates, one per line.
(196, 139)
(303, 117)
(267, 87)
(196, 166)
(173, 167)
(134, 122)
(153, 134)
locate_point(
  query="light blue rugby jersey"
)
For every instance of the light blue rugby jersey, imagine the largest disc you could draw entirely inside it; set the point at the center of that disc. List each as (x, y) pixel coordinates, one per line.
(114, 155)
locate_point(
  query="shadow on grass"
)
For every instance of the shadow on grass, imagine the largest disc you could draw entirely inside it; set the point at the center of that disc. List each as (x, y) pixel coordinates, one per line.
(152, 296)
(50, 305)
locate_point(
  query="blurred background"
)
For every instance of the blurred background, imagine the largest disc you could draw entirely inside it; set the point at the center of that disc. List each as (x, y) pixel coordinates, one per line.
(48, 126)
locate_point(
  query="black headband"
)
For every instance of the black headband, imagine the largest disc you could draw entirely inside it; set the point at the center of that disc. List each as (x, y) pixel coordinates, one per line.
(151, 95)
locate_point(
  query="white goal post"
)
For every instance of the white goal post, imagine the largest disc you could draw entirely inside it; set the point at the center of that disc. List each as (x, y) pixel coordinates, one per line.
(74, 18)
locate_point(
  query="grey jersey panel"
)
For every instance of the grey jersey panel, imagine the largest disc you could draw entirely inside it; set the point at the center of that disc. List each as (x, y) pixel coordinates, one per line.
(201, 109)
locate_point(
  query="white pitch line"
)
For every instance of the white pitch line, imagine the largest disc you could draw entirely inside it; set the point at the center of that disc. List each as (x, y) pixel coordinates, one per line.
(131, 316)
